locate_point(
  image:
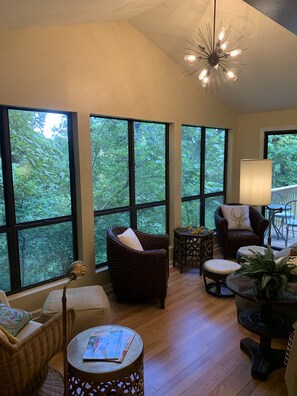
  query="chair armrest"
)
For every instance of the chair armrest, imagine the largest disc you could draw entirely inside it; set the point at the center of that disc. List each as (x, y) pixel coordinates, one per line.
(258, 222)
(3, 298)
(153, 241)
(221, 223)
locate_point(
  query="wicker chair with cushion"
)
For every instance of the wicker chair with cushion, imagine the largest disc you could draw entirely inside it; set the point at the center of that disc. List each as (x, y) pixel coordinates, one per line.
(24, 363)
(231, 240)
(138, 274)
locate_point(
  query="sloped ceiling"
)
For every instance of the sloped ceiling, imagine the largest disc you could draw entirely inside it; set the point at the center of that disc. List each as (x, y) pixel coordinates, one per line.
(267, 81)
(281, 11)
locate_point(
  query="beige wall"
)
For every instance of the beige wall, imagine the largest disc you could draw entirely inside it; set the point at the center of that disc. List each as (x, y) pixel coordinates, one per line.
(106, 69)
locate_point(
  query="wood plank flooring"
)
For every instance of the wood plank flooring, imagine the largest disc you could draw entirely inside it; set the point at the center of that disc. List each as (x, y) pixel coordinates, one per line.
(191, 347)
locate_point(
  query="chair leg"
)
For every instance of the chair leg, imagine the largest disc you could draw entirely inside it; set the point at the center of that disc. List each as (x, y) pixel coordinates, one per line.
(218, 286)
(162, 302)
(287, 235)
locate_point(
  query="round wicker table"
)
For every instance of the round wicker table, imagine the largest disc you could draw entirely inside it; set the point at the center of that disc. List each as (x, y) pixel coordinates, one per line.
(105, 378)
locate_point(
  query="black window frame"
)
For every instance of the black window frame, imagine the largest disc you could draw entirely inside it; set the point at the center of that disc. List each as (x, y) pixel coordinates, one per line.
(132, 208)
(202, 196)
(11, 228)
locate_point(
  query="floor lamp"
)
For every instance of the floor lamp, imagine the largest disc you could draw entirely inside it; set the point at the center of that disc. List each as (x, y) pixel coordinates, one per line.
(76, 270)
(255, 186)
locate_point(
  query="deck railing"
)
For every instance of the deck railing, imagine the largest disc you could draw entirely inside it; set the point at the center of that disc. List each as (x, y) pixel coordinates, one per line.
(287, 193)
(282, 195)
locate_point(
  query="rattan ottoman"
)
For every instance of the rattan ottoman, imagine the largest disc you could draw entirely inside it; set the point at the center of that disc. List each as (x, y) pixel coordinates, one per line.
(90, 303)
(217, 271)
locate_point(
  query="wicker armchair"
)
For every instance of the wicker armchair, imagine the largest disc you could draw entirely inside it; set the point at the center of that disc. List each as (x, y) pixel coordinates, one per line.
(138, 274)
(231, 240)
(24, 365)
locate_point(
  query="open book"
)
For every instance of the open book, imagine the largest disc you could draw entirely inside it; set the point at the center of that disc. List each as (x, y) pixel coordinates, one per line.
(109, 345)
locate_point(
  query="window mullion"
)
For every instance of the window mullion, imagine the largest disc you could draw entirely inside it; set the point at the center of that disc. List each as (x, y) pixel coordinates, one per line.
(12, 236)
(133, 212)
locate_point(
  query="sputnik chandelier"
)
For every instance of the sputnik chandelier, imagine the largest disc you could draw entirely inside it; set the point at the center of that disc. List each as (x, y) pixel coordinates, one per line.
(213, 62)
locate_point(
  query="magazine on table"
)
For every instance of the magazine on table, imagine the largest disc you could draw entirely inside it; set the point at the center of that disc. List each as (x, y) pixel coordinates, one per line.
(108, 345)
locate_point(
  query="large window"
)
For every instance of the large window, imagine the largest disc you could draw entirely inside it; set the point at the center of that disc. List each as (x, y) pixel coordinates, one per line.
(203, 174)
(281, 148)
(37, 216)
(130, 173)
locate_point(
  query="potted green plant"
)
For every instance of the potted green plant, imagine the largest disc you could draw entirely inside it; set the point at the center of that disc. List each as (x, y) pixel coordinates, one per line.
(268, 275)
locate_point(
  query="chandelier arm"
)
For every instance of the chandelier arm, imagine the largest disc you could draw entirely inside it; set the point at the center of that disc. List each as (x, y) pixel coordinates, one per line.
(209, 38)
(197, 51)
(191, 72)
(227, 33)
(204, 41)
(196, 68)
(238, 42)
(214, 25)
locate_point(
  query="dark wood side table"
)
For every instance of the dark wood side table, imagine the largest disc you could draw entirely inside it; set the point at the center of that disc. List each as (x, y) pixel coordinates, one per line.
(266, 322)
(105, 378)
(192, 247)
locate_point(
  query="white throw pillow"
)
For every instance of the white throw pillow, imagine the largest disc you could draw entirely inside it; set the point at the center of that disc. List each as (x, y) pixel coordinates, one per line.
(237, 217)
(290, 251)
(130, 239)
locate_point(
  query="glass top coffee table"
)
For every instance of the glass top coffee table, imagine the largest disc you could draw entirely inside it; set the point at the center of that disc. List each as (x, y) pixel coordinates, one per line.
(104, 377)
(265, 322)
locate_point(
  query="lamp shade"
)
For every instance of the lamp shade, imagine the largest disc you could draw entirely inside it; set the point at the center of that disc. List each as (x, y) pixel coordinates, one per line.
(255, 182)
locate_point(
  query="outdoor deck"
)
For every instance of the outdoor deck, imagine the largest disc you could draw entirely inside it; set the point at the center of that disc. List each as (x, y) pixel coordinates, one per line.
(281, 196)
(278, 241)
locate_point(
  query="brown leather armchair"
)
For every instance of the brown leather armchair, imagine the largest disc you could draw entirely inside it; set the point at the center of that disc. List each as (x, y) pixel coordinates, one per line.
(138, 274)
(231, 240)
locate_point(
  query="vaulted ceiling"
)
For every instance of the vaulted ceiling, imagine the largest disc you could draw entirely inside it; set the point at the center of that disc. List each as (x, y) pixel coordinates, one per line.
(267, 81)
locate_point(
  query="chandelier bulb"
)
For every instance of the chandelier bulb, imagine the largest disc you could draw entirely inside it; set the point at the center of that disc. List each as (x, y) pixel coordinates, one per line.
(231, 75)
(224, 45)
(190, 58)
(203, 74)
(235, 52)
(205, 82)
(222, 34)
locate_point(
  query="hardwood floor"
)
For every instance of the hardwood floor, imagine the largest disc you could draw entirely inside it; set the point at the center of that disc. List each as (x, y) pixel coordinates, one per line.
(191, 347)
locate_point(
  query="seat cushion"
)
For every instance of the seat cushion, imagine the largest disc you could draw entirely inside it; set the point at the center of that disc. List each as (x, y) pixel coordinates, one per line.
(248, 250)
(28, 329)
(219, 266)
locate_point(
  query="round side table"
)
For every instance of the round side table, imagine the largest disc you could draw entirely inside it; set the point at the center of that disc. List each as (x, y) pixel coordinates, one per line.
(105, 378)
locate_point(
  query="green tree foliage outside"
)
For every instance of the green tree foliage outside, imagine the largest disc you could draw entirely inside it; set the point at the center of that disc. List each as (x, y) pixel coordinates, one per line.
(214, 160)
(282, 151)
(192, 177)
(41, 187)
(191, 160)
